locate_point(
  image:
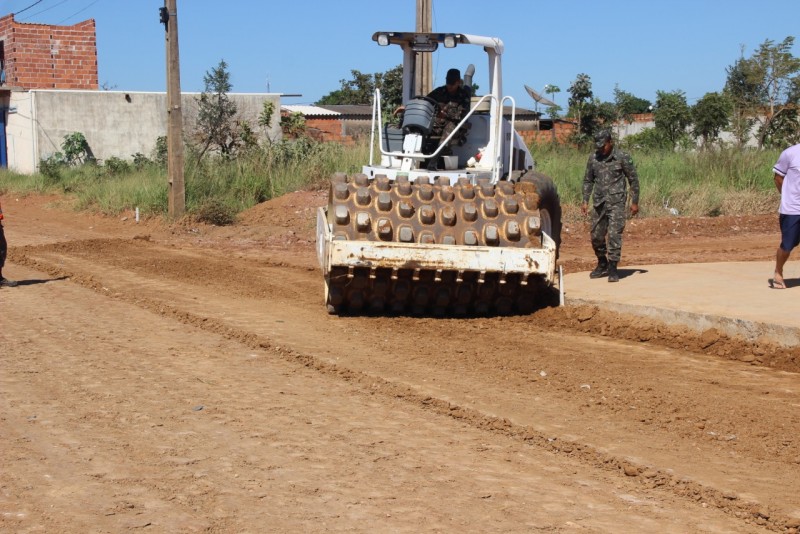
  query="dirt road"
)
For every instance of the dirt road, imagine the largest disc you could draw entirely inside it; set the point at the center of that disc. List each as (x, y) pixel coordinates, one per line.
(188, 379)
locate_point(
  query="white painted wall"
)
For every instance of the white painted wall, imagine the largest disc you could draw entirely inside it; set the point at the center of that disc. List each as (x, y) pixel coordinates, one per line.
(19, 133)
(115, 123)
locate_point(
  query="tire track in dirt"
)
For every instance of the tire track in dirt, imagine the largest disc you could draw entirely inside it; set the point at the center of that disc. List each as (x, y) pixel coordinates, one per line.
(651, 479)
(251, 280)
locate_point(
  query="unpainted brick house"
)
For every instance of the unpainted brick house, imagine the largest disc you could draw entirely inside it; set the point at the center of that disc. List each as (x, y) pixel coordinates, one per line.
(43, 56)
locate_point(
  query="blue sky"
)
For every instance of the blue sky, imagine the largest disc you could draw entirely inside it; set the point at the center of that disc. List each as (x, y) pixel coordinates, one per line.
(307, 46)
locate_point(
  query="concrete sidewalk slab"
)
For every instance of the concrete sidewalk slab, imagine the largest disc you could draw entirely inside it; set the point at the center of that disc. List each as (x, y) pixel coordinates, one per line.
(736, 298)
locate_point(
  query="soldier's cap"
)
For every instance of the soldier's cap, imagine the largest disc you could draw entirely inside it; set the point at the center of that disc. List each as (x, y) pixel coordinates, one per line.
(453, 75)
(600, 138)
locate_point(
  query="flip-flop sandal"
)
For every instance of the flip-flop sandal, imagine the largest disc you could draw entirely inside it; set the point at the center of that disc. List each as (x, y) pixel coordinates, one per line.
(775, 284)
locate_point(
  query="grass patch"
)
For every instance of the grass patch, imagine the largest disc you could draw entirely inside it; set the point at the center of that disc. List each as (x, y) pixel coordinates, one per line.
(216, 188)
(725, 182)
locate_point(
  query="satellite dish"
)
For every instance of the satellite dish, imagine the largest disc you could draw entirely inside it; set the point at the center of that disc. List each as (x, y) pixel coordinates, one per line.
(539, 98)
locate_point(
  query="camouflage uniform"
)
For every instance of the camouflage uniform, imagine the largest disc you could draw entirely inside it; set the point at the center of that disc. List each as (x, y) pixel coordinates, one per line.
(451, 108)
(606, 175)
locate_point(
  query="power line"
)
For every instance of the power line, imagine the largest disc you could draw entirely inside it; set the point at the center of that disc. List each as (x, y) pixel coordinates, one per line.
(27, 8)
(78, 12)
(29, 17)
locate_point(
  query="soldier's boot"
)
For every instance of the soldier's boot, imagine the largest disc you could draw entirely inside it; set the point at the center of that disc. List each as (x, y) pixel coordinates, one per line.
(601, 270)
(613, 275)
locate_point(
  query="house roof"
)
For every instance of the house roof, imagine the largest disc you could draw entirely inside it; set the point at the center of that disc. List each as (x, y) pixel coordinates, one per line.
(348, 109)
(365, 110)
(310, 111)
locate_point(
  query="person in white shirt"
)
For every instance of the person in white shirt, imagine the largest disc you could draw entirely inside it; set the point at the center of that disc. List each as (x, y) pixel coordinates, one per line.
(787, 180)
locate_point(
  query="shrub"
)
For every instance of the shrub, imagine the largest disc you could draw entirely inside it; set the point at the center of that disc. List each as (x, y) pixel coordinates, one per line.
(647, 139)
(160, 151)
(76, 149)
(215, 212)
(140, 161)
(51, 168)
(116, 166)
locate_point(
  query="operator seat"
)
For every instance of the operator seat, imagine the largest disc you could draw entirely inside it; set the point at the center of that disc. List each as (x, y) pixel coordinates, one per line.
(418, 115)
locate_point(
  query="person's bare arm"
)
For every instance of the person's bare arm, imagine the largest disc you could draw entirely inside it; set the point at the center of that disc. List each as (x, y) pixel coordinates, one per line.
(779, 182)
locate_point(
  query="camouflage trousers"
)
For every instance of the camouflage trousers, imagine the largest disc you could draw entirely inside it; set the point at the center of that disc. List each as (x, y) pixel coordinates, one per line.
(443, 127)
(608, 223)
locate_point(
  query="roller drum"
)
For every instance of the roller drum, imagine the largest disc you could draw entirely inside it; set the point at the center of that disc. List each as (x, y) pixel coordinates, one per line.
(434, 212)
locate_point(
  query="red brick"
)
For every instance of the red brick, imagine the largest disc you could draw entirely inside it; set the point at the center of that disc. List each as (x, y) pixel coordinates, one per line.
(47, 56)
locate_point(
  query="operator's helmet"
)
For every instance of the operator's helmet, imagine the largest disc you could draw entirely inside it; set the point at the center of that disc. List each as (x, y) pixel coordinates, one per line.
(601, 137)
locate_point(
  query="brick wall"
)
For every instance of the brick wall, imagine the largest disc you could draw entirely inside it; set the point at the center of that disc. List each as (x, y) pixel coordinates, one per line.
(42, 56)
(327, 129)
(559, 134)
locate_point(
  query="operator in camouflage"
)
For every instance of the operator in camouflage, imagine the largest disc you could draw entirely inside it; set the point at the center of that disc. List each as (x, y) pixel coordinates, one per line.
(608, 173)
(452, 105)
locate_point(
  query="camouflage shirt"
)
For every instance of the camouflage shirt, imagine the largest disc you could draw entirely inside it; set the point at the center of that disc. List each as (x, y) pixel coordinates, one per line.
(606, 175)
(454, 106)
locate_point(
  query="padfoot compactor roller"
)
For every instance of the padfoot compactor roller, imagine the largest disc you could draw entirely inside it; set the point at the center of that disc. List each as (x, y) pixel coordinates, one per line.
(477, 235)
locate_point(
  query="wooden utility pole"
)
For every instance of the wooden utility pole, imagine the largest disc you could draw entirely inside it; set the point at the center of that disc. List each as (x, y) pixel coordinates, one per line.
(177, 188)
(423, 77)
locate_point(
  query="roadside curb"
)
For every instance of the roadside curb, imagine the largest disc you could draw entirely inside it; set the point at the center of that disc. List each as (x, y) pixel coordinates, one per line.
(699, 322)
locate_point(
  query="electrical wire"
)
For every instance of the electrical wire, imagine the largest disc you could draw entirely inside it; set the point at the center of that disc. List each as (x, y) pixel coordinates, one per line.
(27, 8)
(78, 12)
(42, 11)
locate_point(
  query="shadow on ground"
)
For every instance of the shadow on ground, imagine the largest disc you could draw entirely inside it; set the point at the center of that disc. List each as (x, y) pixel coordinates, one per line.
(35, 281)
(625, 273)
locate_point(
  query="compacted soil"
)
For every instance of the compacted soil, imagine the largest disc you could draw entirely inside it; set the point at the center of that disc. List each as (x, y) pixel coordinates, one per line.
(187, 378)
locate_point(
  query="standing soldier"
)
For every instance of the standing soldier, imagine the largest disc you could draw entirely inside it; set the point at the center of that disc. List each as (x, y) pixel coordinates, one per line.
(608, 172)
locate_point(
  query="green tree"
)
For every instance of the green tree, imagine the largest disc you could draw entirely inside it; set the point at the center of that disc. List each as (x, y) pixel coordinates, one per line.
(629, 105)
(672, 115)
(391, 85)
(601, 115)
(764, 87)
(710, 115)
(581, 96)
(775, 69)
(555, 110)
(265, 117)
(216, 125)
(594, 116)
(744, 95)
(784, 130)
(294, 124)
(360, 89)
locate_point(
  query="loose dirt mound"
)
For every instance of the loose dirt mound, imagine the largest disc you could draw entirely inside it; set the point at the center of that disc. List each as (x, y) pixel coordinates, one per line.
(296, 211)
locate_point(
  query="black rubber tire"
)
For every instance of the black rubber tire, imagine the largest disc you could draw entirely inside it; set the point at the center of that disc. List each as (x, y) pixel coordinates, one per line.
(549, 201)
